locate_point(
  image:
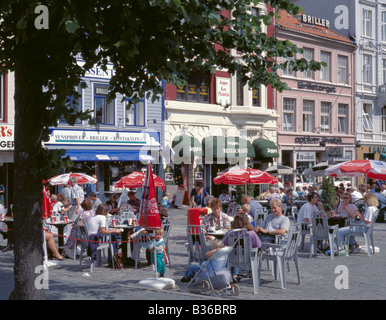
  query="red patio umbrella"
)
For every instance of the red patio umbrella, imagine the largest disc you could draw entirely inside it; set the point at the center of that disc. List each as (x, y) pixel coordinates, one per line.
(136, 180)
(63, 179)
(47, 207)
(370, 169)
(240, 176)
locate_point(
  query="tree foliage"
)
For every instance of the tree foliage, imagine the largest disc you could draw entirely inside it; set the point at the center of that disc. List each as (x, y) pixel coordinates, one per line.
(146, 41)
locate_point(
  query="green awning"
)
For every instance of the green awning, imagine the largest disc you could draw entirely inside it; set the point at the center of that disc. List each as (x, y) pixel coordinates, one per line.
(227, 149)
(382, 157)
(265, 148)
(186, 148)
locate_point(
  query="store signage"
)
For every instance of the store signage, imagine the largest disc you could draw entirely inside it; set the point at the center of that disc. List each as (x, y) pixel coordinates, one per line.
(110, 138)
(315, 21)
(315, 87)
(223, 91)
(7, 137)
(98, 72)
(317, 140)
(305, 156)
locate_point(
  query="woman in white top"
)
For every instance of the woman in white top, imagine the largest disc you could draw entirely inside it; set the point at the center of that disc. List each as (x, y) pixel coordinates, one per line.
(97, 224)
(372, 206)
(346, 209)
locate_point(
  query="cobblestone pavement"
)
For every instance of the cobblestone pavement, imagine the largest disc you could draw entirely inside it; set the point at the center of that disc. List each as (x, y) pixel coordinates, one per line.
(366, 276)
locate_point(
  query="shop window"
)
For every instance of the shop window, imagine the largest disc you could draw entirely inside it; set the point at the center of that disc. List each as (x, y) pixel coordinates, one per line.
(289, 114)
(135, 114)
(197, 89)
(104, 108)
(74, 104)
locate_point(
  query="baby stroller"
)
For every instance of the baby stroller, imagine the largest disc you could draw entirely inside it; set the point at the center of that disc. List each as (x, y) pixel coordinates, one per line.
(214, 275)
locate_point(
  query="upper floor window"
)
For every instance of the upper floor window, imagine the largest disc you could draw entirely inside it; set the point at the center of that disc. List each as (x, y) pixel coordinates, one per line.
(2, 98)
(308, 116)
(135, 113)
(384, 119)
(288, 71)
(325, 73)
(384, 26)
(74, 104)
(384, 71)
(342, 69)
(239, 92)
(256, 97)
(308, 54)
(342, 118)
(289, 106)
(325, 116)
(367, 117)
(367, 68)
(197, 89)
(104, 108)
(367, 26)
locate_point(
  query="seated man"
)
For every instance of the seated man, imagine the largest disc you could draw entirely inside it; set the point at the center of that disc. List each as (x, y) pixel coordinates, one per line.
(95, 200)
(134, 201)
(275, 224)
(253, 204)
(307, 209)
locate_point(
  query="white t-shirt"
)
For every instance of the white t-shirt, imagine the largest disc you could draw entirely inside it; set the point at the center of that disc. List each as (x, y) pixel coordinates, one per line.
(369, 213)
(306, 212)
(95, 223)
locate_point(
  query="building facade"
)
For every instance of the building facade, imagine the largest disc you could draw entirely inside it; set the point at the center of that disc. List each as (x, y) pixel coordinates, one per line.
(316, 116)
(215, 123)
(125, 138)
(365, 22)
(7, 116)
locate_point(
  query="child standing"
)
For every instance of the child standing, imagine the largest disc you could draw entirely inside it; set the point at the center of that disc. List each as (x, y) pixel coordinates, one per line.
(158, 244)
(166, 200)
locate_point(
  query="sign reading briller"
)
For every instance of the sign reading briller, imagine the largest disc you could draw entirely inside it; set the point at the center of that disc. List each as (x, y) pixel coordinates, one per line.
(101, 138)
(223, 91)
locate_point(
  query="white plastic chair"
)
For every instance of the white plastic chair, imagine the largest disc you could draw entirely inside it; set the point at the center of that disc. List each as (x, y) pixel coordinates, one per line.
(321, 231)
(84, 238)
(197, 247)
(260, 216)
(242, 255)
(142, 241)
(360, 229)
(231, 209)
(283, 253)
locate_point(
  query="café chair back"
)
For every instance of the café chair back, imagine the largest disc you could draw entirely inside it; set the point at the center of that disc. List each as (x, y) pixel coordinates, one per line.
(232, 209)
(243, 256)
(360, 229)
(321, 231)
(260, 216)
(197, 247)
(282, 253)
(167, 225)
(142, 241)
(361, 205)
(84, 241)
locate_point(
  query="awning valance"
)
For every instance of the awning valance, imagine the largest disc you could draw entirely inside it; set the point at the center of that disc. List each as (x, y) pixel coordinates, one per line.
(229, 149)
(107, 155)
(186, 148)
(265, 148)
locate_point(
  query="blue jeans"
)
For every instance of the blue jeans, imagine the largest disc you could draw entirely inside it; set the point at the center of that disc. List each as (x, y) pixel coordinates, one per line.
(191, 271)
(342, 232)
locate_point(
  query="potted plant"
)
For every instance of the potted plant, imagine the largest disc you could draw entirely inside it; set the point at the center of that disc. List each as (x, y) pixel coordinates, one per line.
(329, 196)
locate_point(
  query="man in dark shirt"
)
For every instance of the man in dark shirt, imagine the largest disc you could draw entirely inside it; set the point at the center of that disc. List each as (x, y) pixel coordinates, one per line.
(134, 201)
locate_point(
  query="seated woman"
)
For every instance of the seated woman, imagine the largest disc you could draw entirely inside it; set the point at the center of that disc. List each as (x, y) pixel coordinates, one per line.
(85, 215)
(372, 206)
(52, 245)
(97, 228)
(346, 209)
(216, 219)
(113, 204)
(240, 221)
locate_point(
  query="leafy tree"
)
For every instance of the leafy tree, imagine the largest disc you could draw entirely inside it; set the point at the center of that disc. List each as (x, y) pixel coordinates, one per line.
(328, 194)
(146, 41)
